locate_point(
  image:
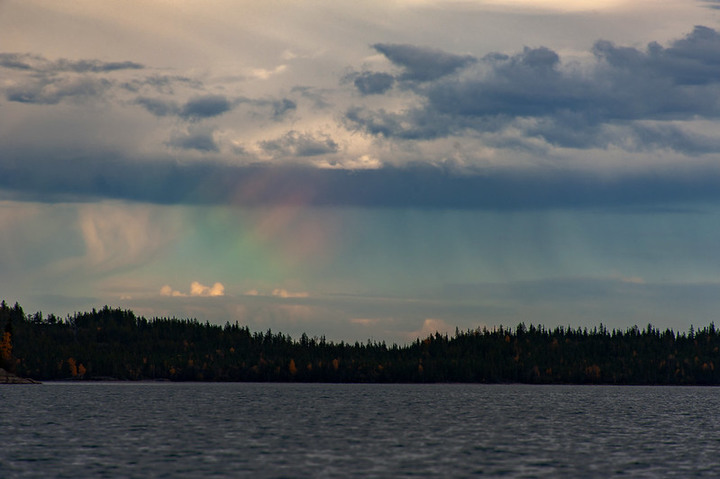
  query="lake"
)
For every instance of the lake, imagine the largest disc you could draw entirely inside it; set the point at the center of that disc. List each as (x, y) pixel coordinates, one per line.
(363, 430)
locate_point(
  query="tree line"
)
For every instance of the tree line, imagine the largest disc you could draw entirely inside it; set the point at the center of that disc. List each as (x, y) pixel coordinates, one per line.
(116, 344)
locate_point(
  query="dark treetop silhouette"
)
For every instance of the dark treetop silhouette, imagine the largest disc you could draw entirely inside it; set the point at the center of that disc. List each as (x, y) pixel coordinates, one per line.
(114, 343)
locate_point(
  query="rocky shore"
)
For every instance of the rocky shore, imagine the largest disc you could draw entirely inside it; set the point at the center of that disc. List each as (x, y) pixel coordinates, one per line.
(10, 378)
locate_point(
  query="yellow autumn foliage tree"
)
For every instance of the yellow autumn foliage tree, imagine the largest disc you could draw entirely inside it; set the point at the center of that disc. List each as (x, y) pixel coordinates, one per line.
(6, 347)
(73, 367)
(6, 353)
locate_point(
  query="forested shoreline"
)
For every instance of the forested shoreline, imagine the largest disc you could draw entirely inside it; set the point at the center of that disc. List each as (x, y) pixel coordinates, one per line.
(117, 344)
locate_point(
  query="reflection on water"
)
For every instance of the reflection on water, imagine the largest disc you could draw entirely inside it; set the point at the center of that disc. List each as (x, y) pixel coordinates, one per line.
(336, 430)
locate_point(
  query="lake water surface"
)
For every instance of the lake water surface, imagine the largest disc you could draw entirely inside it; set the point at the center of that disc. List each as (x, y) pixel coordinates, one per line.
(343, 430)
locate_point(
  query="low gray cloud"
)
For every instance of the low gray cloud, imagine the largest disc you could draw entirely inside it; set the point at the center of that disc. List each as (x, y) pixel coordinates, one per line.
(18, 61)
(282, 107)
(317, 96)
(165, 84)
(714, 4)
(93, 66)
(423, 64)
(692, 60)
(210, 106)
(277, 109)
(52, 90)
(41, 81)
(408, 125)
(206, 106)
(620, 86)
(295, 144)
(38, 63)
(373, 83)
(673, 138)
(158, 107)
(195, 138)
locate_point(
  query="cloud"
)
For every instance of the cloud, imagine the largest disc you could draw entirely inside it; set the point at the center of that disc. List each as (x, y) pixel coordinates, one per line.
(423, 64)
(19, 61)
(52, 90)
(373, 83)
(195, 138)
(211, 106)
(563, 103)
(158, 107)
(283, 293)
(263, 74)
(430, 327)
(282, 107)
(692, 60)
(161, 83)
(196, 289)
(277, 293)
(363, 162)
(316, 95)
(40, 64)
(35, 79)
(365, 321)
(168, 291)
(295, 144)
(202, 107)
(411, 124)
(47, 178)
(206, 106)
(48, 82)
(94, 66)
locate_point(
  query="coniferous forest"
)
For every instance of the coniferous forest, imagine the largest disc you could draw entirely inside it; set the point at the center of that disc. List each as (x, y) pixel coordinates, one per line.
(116, 344)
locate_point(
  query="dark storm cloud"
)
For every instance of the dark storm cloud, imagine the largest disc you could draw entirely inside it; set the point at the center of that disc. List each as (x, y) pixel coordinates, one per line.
(693, 60)
(57, 175)
(621, 86)
(373, 83)
(423, 64)
(206, 106)
(297, 144)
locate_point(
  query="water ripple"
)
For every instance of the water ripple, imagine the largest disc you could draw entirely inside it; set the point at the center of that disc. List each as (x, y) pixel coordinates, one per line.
(333, 430)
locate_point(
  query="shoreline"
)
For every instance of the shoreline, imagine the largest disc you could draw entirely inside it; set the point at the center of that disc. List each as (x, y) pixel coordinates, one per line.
(7, 377)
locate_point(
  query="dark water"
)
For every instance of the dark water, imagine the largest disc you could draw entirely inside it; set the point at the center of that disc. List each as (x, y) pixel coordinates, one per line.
(329, 430)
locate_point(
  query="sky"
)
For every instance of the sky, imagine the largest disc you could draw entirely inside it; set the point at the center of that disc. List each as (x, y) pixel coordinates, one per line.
(363, 170)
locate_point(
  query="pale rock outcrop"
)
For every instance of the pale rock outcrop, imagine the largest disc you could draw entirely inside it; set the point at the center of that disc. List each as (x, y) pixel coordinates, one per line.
(10, 378)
